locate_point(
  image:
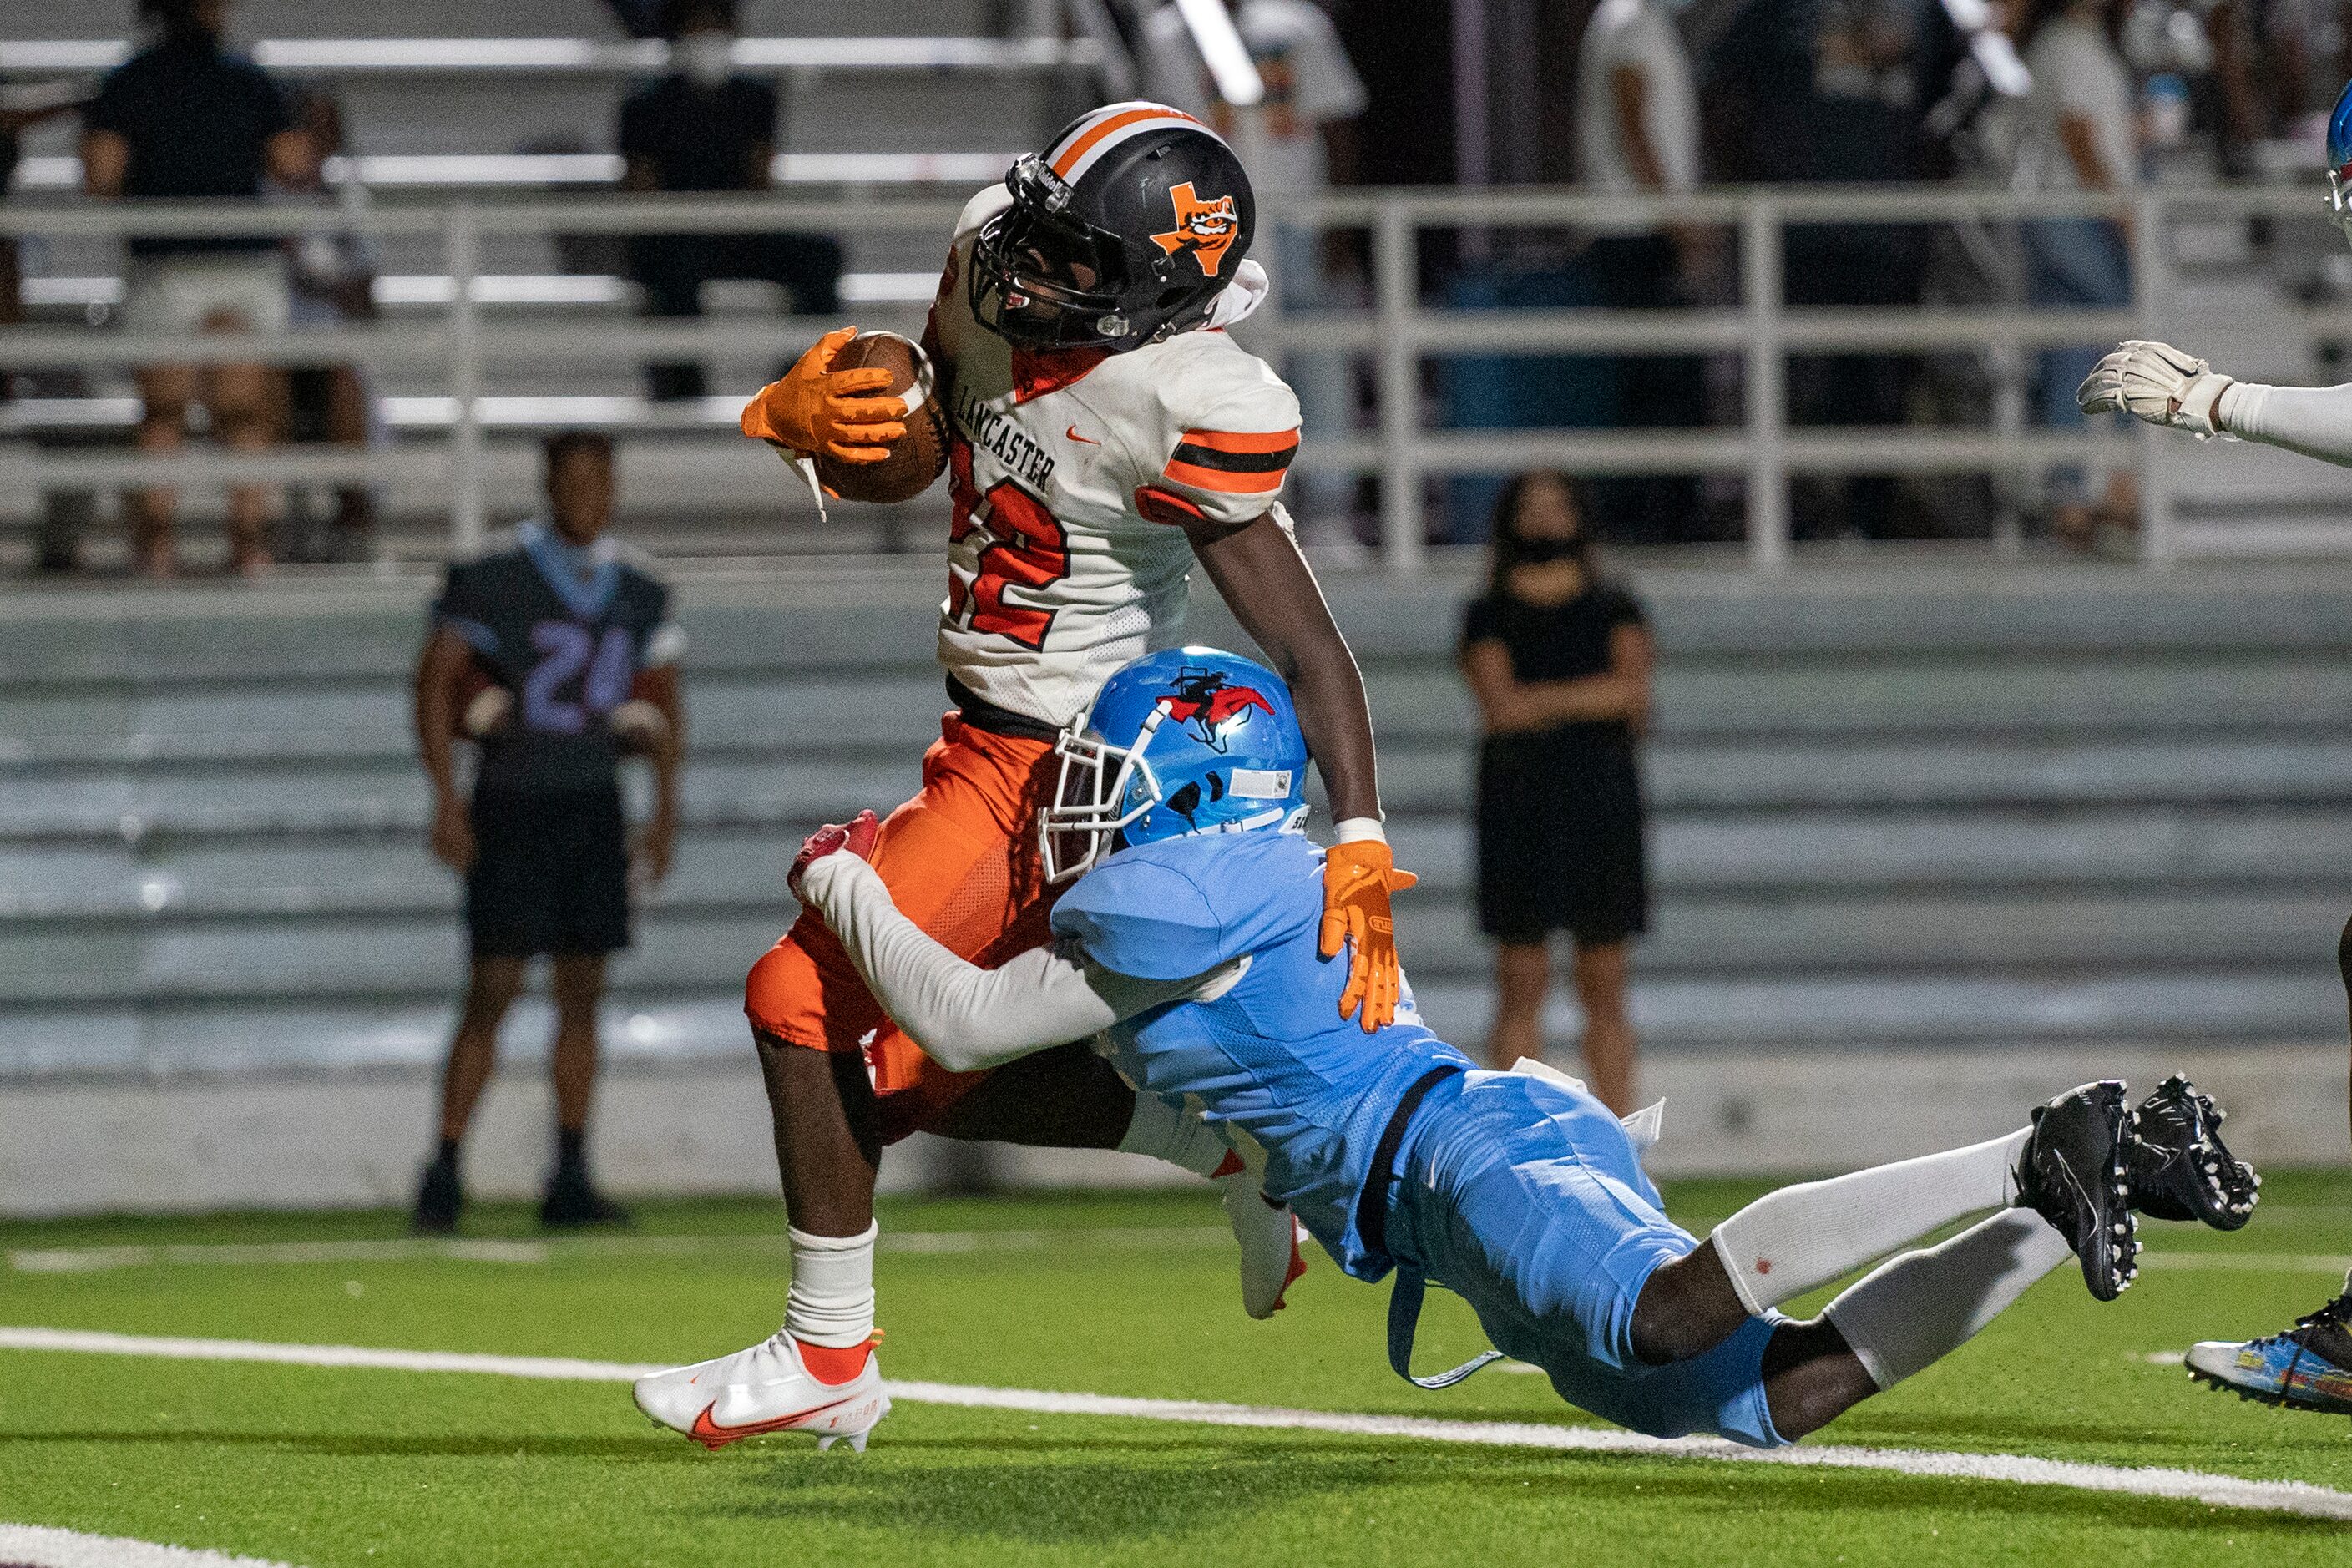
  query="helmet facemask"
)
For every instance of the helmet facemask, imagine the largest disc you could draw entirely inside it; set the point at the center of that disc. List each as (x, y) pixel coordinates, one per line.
(1076, 831)
(2340, 198)
(1031, 307)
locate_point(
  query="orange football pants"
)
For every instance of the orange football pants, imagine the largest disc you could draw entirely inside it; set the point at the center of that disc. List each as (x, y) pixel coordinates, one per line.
(960, 860)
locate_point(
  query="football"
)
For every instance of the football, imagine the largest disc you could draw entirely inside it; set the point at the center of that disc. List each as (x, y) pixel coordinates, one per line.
(916, 457)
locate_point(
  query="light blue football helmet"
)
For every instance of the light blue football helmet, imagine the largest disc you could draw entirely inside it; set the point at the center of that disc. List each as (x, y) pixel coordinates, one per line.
(2339, 161)
(1193, 740)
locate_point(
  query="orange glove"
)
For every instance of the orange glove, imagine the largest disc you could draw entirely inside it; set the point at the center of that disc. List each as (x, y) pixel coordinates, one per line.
(1358, 879)
(816, 408)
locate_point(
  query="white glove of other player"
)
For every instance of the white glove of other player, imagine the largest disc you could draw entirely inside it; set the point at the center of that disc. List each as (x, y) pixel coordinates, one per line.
(2158, 384)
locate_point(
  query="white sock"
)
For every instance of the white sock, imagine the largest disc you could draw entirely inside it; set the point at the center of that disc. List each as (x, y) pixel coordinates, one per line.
(831, 1296)
(1178, 1137)
(1922, 1306)
(1799, 1238)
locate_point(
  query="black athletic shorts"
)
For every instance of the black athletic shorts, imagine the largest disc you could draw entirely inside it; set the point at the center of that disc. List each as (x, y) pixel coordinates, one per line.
(551, 875)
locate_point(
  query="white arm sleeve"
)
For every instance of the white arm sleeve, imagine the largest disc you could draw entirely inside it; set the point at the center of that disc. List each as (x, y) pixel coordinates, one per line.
(2316, 421)
(966, 1018)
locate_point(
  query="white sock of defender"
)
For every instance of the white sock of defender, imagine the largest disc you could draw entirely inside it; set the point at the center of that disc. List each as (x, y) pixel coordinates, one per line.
(1178, 1137)
(1921, 1307)
(1799, 1238)
(831, 1302)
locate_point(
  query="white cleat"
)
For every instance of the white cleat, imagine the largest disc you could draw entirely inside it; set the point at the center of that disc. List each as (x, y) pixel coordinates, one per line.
(767, 1388)
(1268, 1233)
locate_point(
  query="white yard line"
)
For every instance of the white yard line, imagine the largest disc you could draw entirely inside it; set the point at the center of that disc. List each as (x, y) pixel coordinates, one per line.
(101, 1259)
(2247, 1262)
(38, 1546)
(2017, 1469)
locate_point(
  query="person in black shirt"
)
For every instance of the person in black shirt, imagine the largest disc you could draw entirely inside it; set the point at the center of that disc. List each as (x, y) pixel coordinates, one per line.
(1834, 92)
(704, 128)
(547, 654)
(185, 119)
(1558, 660)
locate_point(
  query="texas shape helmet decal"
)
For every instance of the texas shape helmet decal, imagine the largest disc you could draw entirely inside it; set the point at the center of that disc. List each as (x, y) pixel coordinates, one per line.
(1206, 228)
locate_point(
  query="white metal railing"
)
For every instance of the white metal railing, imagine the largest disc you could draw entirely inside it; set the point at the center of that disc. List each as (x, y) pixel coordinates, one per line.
(410, 58)
(476, 171)
(1398, 332)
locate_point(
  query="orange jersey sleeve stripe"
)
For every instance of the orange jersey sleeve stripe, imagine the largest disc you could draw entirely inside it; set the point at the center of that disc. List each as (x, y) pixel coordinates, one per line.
(1243, 440)
(1245, 484)
(1084, 143)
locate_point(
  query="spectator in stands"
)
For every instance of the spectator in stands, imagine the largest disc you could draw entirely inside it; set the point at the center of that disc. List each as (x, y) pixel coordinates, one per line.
(1830, 92)
(638, 19)
(1295, 143)
(705, 128)
(555, 656)
(1638, 132)
(333, 275)
(186, 118)
(2080, 134)
(1557, 657)
(65, 514)
(12, 273)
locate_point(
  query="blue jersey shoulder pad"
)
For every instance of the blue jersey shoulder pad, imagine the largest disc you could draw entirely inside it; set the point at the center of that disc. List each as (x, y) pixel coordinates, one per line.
(1182, 907)
(1135, 916)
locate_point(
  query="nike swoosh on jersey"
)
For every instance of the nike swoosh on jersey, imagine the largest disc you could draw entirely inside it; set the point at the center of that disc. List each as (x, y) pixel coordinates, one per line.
(1073, 433)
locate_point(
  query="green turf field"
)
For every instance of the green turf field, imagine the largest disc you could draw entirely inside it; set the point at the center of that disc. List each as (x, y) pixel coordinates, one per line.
(1110, 1295)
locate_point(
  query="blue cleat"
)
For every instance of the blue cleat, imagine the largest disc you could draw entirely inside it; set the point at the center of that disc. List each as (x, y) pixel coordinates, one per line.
(2309, 1367)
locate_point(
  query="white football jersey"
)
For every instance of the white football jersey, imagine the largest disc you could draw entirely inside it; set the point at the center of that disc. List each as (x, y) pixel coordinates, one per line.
(1074, 472)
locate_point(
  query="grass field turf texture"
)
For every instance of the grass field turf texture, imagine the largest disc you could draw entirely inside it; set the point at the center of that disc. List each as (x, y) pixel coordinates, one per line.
(1118, 1295)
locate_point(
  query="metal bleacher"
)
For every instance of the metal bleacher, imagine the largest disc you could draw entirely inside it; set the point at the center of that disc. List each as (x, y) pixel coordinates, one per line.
(1984, 817)
(442, 99)
(1992, 815)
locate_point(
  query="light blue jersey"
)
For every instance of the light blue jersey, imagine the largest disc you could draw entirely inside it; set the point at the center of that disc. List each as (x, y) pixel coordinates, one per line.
(1272, 1057)
(1525, 1196)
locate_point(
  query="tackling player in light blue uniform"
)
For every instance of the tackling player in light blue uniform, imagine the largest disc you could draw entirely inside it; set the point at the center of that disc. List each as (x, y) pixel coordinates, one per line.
(1189, 943)
(2308, 1366)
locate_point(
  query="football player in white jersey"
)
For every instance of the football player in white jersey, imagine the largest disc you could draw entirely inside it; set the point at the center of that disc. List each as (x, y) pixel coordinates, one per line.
(1106, 434)
(2308, 1366)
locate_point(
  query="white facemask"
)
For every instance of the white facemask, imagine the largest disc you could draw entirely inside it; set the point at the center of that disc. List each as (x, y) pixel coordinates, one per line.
(707, 59)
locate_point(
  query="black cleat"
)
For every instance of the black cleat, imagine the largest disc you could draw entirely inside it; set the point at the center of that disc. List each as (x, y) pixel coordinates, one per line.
(440, 1198)
(2179, 1169)
(2072, 1174)
(572, 1200)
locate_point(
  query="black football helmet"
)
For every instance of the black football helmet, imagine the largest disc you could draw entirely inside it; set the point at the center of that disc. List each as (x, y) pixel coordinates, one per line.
(1148, 201)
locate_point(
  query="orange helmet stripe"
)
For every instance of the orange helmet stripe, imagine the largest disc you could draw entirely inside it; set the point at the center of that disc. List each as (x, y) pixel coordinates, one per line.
(1064, 163)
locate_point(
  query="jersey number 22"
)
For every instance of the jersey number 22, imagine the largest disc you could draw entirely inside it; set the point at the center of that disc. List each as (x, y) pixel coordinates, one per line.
(1028, 549)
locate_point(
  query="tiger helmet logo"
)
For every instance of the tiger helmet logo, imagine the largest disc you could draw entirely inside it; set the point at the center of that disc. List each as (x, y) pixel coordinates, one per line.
(1206, 228)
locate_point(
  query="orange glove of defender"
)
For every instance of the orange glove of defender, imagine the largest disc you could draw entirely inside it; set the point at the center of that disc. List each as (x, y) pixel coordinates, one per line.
(816, 408)
(1358, 879)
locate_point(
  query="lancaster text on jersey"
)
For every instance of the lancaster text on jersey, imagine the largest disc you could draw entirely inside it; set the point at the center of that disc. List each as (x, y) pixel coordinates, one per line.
(987, 429)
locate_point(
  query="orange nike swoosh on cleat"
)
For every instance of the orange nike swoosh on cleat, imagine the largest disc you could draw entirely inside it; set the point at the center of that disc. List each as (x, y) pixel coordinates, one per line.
(1073, 433)
(711, 1435)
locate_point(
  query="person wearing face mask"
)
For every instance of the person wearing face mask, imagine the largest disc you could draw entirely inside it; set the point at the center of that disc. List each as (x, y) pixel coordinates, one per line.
(1559, 659)
(705, 128)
